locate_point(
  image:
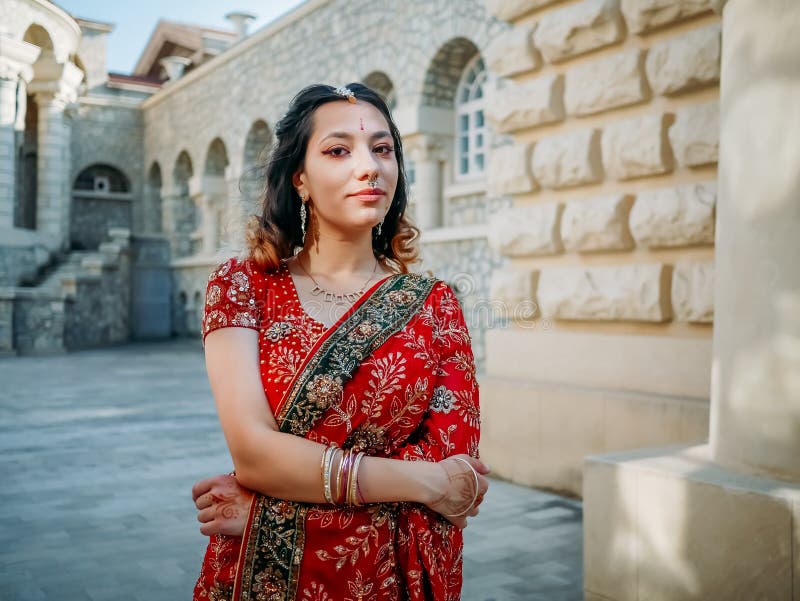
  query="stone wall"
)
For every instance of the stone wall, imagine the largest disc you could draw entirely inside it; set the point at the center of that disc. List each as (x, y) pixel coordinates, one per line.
(108, 130)
(611, 108)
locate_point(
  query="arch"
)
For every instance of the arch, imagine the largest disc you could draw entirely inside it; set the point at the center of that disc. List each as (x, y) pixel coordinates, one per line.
(39, 36)
(445, 70)
(102, 179)
(152, 200)
(382, 84)
(216, 158)
(257, 144)
(181, 172)
(183, 219)
(100, 200)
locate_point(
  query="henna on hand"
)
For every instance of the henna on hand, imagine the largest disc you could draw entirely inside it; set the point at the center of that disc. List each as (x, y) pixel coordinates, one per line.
(459, 494)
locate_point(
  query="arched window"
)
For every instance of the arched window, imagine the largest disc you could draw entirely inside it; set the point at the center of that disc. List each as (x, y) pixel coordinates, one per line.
(470, 123)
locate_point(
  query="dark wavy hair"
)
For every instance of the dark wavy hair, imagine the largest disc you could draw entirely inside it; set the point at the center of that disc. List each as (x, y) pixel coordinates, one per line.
(276, 233)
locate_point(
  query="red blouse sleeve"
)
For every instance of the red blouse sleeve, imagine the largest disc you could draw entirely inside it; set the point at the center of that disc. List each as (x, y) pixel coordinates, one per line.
(431, 547)
(231, 298)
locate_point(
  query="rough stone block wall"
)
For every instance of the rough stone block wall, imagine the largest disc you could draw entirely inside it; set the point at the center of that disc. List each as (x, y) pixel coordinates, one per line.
(613, 116)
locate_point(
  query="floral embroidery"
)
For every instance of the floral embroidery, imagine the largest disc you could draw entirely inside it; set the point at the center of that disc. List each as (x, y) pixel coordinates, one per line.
(214, 294)
(324, 390)
(364, 330)
(368, 437)
(442, 400)
(269, 585)
(278, 330)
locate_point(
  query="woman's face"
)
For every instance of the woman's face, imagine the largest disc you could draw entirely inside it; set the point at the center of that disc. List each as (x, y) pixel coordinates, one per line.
(350, 145)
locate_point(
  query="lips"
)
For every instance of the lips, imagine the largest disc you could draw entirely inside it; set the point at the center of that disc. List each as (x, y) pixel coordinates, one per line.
(369, 192)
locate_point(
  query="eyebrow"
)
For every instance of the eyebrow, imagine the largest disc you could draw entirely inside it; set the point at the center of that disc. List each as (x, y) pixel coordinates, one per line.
(345, 136)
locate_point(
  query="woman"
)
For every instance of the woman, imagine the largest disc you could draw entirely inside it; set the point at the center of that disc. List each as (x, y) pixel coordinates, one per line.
(345, 388)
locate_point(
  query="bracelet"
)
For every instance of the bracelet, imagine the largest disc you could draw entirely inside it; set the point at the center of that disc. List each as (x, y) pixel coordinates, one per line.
(344, 470)
(477, 486)
(352, 497)
(327, 462)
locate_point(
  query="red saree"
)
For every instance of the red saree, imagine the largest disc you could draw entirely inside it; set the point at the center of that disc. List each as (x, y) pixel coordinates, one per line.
(394, 377)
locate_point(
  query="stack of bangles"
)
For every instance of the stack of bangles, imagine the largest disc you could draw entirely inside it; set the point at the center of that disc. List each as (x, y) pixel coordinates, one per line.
(343, 489)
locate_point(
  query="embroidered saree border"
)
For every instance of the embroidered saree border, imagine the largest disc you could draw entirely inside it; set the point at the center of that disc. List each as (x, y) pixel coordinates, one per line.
(272, 549)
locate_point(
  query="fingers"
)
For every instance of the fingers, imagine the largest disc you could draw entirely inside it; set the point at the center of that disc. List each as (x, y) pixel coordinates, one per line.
(206, 515)
(210, 528)
(201, 487)
(203, 501)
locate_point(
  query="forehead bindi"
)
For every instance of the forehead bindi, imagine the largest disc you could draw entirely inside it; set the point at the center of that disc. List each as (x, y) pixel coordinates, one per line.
(342, 119)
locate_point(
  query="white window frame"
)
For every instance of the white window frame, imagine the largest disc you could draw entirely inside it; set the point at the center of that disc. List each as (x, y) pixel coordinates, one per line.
(469, 109)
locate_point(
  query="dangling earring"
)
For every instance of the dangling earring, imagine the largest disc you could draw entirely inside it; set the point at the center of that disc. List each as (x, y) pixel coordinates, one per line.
(303, 216)
(378, 230)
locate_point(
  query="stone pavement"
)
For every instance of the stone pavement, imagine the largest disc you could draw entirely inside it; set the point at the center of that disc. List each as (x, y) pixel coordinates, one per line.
(98, 452)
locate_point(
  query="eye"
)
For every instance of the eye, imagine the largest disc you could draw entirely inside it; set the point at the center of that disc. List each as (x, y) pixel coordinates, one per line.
(384, 149)
(337, 151)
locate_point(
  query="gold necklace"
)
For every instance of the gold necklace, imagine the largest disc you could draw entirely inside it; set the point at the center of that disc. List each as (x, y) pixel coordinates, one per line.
(340, 299)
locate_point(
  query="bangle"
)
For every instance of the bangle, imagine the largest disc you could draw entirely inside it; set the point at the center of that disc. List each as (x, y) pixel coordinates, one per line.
(353, 481)
(327, 461)
(341, 475)
(477, 486)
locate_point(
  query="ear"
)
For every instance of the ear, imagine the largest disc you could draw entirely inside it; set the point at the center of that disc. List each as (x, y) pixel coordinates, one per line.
(298, 180)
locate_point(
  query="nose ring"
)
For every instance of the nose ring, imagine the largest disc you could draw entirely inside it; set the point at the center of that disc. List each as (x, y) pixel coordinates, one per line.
(372, 183)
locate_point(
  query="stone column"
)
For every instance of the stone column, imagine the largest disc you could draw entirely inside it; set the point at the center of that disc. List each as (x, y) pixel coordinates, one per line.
(51, 169)
(53, 145)
(755, 394)
(234, 213)
(15, 68)
(204, 199)
(427, 152)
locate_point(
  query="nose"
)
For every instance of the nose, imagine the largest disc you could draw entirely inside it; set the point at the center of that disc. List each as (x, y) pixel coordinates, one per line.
(366, 165)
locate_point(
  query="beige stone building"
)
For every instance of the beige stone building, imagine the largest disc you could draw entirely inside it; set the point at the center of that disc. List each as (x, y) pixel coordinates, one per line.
(609, 185)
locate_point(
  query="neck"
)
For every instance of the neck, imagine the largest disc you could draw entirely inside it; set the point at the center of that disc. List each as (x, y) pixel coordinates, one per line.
(334, 255)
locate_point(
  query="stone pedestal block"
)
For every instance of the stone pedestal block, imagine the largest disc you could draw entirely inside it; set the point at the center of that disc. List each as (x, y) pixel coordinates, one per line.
(669, 524)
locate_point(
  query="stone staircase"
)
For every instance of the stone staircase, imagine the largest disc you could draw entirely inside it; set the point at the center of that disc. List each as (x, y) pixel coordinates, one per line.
(79, 300)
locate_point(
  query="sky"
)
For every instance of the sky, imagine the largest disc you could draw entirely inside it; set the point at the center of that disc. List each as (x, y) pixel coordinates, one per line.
(135, 20)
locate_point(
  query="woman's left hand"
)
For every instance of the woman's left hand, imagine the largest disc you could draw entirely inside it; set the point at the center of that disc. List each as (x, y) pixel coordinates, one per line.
(223, 505)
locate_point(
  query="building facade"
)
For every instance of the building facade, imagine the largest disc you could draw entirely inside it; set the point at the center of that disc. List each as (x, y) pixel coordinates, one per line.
(563, 166)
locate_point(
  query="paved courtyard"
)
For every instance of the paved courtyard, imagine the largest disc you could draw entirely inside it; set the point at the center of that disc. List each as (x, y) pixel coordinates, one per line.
(98, 452)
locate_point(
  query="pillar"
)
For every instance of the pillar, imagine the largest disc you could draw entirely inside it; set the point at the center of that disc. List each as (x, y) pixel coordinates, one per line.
(53, 167)
(755, 394)
(16, 58)
(720, 520)
(428, 155)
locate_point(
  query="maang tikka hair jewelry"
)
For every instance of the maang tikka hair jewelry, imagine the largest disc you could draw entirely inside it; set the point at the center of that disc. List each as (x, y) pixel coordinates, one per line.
(346, 93)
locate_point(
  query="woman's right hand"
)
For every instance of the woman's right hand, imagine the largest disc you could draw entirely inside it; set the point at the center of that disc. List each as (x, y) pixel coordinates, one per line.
(222, 504)
(454, 488)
